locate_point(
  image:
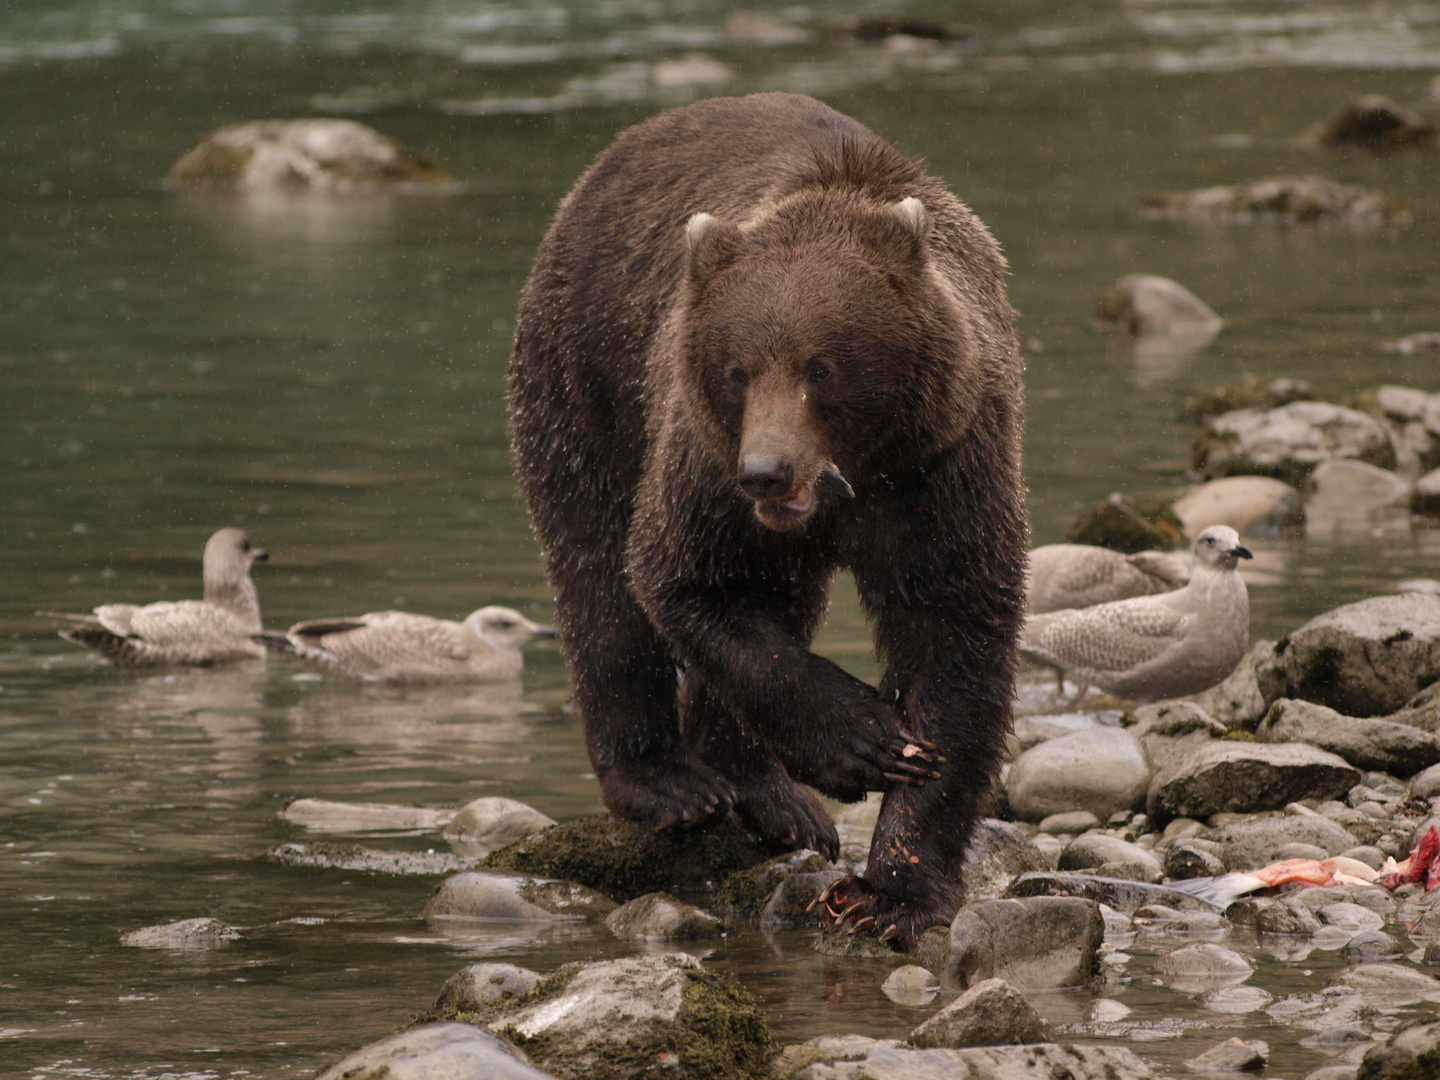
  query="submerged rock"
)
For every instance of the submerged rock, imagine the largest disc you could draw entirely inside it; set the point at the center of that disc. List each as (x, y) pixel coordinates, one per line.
(1102, 770)
(986, 1063)
(624, 860)
(447, 1051)
(911, 985)
(1147, 304)
(1381, 745)
(1035, 943)
(1244, 777)
(480, 895)
(1377, 124)
(185, 934)
(327, 856)
(623, 1018)
(990, 1013)
(1280, 199)
(1350, 496)
(472, 988)
(1117, 893)
(1287, 443)
(302, 155)
(1249, 394)
(657, 917)
(1414, 344)
(492, 822)
(1251, 505)
(1203, 966)
(1363, 659)
(1118, 524)
(322, 815)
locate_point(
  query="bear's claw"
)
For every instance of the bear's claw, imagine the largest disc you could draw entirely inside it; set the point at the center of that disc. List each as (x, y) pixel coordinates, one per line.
(855, 901)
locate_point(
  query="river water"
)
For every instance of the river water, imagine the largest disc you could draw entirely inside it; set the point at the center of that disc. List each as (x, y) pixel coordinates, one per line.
(329, 374)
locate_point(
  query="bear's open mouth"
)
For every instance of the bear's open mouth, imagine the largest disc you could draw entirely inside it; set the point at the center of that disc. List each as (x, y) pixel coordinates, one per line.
(788, 510)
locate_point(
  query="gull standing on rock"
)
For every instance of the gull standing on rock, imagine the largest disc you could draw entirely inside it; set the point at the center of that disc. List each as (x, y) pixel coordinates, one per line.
(1153, 647)
(399, 648)
(1082, 575)
(215, 630)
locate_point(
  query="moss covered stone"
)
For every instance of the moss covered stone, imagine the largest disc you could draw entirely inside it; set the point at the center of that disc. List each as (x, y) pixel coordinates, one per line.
(624, 860)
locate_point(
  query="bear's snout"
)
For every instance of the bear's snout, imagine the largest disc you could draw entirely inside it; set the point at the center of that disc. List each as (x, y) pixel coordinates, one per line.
(766, 477)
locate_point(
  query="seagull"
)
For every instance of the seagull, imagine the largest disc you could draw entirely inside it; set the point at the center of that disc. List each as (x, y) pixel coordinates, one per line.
(1082, 575)
(215, 630)
(1154, 647)
(400, 648)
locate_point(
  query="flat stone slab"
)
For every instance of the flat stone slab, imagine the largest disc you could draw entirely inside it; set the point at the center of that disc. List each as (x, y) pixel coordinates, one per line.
(201, 933)
(331, 856)
(1245, 777)
(1373, 744)
(988, 1063)
(448, 1051)
(323, 815)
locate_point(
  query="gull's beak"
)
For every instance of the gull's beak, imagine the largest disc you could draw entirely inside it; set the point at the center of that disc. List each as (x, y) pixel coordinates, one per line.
(1241, 552)
(259, 554)
(545, 631)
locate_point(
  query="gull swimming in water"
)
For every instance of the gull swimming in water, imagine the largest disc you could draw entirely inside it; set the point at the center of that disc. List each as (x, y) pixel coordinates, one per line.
(1082, 575)
(400, 648)
(1154, 647)
(215, 630)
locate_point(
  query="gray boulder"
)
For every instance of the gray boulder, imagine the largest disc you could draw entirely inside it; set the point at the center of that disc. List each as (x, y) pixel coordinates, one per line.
(1393, 984)
(1250, 845)
(481, 895)
(1245, 777)
(1033, 943)
(472, 988)
(657, 917)
(1184, 861)
(1147, 304)
(1095, 850)
(1412, 1053)
(1347, 497)
(492, 822)
(1103, 770)
(1174, 718)
(1203, 966)
(1289, 442)
(1363, 659)
(622, 1018)
(1412, 420)
(302, 155)
(1378, 745)
(998, 853)
(1251, 505)
(990, 1013)
(776, 893)
(449, 1051)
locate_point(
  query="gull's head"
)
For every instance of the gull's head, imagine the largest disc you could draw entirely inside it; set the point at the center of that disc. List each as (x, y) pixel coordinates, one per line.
(504, 628)
(229, 555)
(1219, 547)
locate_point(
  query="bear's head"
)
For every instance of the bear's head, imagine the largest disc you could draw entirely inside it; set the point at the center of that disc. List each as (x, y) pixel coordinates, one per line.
(818, 339)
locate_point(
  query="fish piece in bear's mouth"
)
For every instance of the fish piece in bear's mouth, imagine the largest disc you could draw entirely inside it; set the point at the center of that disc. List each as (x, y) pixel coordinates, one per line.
(788, 510)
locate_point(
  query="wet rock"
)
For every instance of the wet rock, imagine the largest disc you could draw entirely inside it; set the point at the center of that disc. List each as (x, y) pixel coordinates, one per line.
(1174, 718)
(1147, 304)
(1281, 199)
(1426, 783)
(480, 895)
(322, 815)
(627, 1015)
(1301, 851)
(1117, 893)
(1029, 730)
(998, 853)
(1203, 966)
(1365, 743)
(1101, 771)
(1350, 917)
(911, 985)
(1251, 505)
(1117, 523)
(623, 860)
(1283, 916)
(657, 917)
(1414, 344)
(326, 856)
(1236, 999)
(1346, 496)
(185, 934)
(1248, 394)
(472, 988)
(824, 1051)
(1289, 442)
(838, 942)
(776, 893)
(1412, 420)
(1362, 659)
(450, 1051)
(1250, 845)
(1371, 945)
(492, 822)
(1037, 942)
(1068, 822)
(302, 155)
(1376, 124)
(1394, 983)
(1245, 777)
(1233, 1055)
(990, 1013)
(1239, 701)
(1412, 1053)
(988, 1063)
(1097, 849)
(1425, 497)
(1372, 857)
(1185, 861)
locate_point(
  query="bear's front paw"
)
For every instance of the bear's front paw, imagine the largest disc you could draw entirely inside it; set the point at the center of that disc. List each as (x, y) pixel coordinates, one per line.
(672, 790)
(779, 810)
(855, 901)
(878, 752)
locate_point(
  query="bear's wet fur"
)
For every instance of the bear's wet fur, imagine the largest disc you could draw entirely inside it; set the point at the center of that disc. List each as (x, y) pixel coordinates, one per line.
(759, 345)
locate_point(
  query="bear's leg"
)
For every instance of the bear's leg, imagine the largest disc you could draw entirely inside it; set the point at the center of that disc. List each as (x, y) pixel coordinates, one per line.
(625, 687)
(766, 799)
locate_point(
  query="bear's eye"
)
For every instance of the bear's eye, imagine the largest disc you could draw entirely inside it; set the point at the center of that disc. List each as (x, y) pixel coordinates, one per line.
(819, 371)
(739, 377)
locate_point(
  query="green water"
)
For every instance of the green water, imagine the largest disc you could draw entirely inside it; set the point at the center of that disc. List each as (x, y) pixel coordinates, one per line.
(329, 374)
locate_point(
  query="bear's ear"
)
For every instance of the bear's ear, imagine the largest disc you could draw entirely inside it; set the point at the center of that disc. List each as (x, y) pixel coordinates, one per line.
(712, 245)
(906, 226)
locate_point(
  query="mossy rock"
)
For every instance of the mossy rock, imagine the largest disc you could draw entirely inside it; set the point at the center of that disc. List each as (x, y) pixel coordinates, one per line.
(743, 895)
(1121, 525)
(624, 860)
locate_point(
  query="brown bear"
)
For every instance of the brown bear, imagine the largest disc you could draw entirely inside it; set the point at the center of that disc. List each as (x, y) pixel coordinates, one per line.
(759, 345)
